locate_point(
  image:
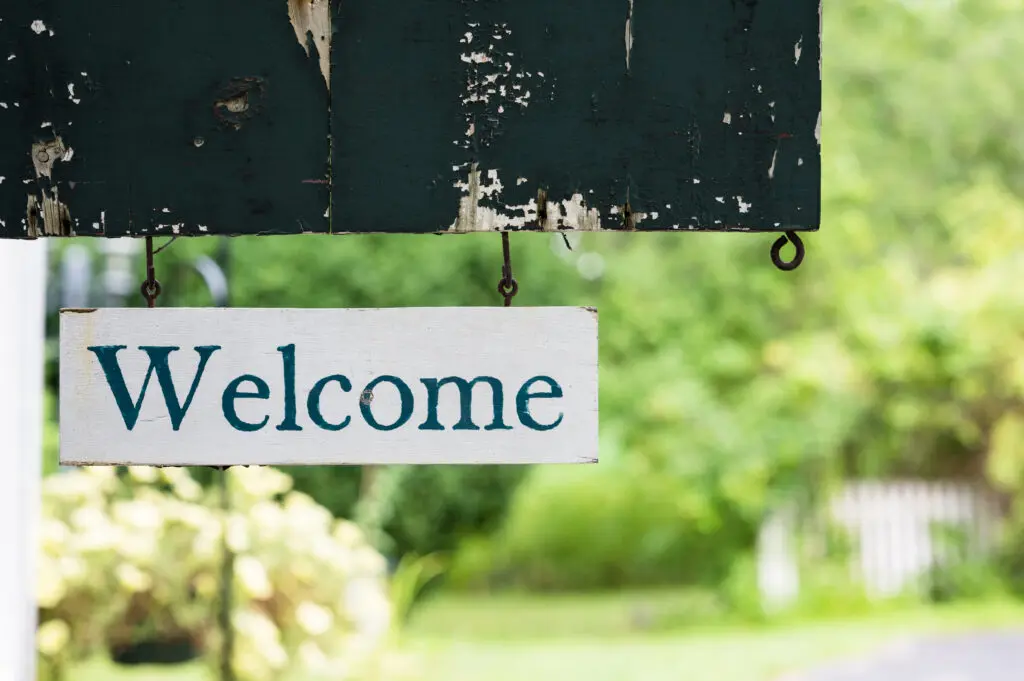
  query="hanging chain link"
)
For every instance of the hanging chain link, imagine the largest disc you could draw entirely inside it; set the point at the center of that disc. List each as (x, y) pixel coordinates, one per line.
(508, 287)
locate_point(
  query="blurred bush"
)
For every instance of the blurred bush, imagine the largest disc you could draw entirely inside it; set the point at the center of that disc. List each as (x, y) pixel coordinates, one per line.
(135, 559)
(606, 526)
(425, 509)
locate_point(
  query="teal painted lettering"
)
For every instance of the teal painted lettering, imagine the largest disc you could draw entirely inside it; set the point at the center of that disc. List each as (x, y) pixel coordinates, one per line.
(233, 392)
(523, 402)
(288, 355)
(158, 357)
(313, 402)
(365, 406)
(465, 387)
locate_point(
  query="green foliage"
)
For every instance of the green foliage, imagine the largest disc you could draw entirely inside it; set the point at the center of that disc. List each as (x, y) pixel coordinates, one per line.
(967, 581)
(137, 558)
(409, 580)
(417, 509)
(51, 435)
(607, 526)
(337, 489)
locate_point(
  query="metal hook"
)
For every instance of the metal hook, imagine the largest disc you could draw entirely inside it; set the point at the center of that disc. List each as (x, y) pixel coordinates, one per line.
(788, 266)
(508, 287)
(150, 287)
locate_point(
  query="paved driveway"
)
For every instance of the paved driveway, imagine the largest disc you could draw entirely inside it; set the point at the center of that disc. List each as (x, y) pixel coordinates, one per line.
(972, 657)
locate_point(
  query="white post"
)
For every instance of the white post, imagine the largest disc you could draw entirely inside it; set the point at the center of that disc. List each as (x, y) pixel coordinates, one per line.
(22, 337)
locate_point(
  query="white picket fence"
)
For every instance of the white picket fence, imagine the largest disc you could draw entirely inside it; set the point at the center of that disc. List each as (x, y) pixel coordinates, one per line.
(895, 528)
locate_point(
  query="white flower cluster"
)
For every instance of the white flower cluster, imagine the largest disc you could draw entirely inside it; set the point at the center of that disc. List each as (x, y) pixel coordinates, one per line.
(138, 557)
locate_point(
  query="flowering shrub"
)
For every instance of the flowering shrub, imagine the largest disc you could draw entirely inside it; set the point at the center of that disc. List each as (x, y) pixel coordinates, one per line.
(139, 557)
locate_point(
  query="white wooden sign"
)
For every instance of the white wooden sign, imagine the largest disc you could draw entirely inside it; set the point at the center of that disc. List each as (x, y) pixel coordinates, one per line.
(222, 387)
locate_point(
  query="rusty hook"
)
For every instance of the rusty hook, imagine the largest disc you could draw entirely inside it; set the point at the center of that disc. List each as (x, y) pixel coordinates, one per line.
(150, 287)
(508, 287)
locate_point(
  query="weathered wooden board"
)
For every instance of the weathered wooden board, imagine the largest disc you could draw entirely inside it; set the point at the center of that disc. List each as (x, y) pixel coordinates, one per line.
(288, 116)
(218, 387)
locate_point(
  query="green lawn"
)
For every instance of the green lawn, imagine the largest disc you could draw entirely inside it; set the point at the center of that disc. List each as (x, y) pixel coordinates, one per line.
(558, 638)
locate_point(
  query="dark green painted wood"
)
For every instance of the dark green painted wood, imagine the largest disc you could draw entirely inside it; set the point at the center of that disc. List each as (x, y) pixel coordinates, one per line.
(152, 152)
(712, 126)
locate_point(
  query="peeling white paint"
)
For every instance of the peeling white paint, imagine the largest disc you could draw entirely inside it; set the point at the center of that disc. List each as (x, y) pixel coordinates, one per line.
(204, 228)
(481, 209)
(71, 94)
(629, 34)
(476, 58)
(727, 118)
(817, 130)
(313, 18)
(3, 105)
(45, 154)
(38, 26)
(11, 57)
(696, 180)
(744, 207)
(798, 50)
(720, 199)
(799, 161)
(573, 213)
(494, 84)
(771, 168)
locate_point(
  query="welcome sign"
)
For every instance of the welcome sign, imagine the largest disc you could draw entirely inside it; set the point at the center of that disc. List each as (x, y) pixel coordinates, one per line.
(224, 387)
